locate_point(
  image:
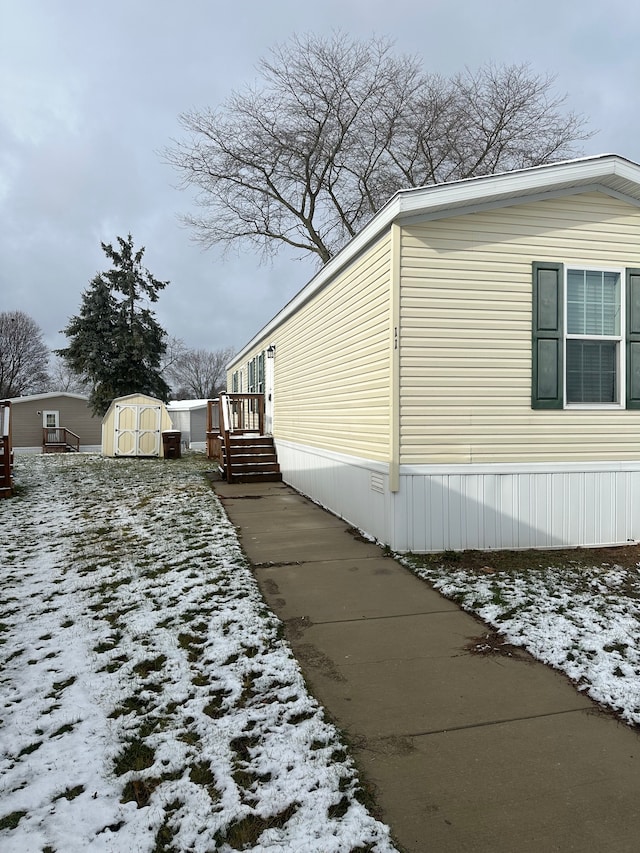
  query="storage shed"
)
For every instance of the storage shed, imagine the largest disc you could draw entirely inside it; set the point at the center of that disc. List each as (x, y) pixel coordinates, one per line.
(133, 426)
(190, 418)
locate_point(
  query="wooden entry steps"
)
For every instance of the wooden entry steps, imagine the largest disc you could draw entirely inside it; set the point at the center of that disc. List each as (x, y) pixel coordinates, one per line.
(253, 459)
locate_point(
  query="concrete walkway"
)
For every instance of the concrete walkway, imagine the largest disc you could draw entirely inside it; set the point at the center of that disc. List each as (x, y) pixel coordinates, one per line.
(463, 752)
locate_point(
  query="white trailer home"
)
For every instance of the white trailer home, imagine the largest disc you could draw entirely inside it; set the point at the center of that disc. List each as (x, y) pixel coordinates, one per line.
(465, 373)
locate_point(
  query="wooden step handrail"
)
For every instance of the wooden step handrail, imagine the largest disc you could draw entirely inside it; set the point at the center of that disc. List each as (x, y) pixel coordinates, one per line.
(227, 428)
(231, 414)
(6, 447)
(60, 435)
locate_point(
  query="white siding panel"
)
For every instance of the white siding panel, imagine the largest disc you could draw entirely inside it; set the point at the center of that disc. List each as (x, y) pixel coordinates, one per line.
(465, 340)
(353, 488)
(436, 511)
(332, 365)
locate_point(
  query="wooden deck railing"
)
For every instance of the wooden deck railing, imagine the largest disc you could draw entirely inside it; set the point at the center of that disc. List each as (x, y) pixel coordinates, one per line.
(59, 438)
(228, 414)
(6, 450)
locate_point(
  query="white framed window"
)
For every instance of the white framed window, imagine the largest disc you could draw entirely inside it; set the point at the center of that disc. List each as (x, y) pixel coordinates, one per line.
(594, 354)
(50, 419)
(585, 336)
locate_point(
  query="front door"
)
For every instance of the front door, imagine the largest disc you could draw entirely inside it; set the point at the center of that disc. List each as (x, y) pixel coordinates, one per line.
(51, 422)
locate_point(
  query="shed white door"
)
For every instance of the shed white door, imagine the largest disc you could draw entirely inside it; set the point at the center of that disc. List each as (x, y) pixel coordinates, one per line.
(137, 430)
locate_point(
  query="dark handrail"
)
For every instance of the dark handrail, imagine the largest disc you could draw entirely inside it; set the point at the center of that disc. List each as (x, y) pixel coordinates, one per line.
(234, 413)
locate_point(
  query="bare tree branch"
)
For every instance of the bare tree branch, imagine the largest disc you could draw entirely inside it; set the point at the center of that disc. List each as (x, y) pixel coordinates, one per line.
(198, 373)
(24, 357)
(335, 126)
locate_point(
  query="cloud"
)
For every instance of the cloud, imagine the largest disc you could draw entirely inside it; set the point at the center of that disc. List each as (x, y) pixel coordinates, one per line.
(90, 93)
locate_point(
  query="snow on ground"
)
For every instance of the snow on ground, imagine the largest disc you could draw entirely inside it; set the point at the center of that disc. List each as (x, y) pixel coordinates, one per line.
(583, 620)
(147, 700)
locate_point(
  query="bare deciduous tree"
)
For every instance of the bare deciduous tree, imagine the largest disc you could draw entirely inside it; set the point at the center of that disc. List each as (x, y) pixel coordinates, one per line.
(200, 374)
(63, 378)
(24, 356)
(336, 126)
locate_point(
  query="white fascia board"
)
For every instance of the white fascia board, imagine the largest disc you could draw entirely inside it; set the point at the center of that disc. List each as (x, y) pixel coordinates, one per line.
(606, 171)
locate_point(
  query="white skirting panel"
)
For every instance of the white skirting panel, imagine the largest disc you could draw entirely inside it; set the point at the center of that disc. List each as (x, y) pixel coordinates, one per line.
(353, 488)
(525, 506)
(458, 507)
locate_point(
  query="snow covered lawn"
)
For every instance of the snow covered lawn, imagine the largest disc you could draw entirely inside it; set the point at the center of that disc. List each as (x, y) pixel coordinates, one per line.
(147, 700)
(573, 611)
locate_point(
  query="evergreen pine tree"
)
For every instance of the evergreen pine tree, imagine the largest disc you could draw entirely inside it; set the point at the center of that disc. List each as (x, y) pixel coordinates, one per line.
(115, 343)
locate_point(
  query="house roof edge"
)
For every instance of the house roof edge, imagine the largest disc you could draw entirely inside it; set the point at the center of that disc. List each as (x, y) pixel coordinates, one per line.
(605, 169)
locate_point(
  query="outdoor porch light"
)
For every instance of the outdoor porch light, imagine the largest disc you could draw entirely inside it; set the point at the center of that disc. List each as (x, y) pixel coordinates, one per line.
(271, 351)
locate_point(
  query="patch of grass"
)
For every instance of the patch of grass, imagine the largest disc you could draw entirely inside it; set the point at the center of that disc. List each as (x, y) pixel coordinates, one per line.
(150, 665)
(63, 730)
(339, 809)
(137, 791)
(166, 833)
(70, 793)
(296, 719)
(14, 655)
(149, 726)
(131, 705)
(136, 755)
(201, 774)
(58, 686)
(11, 820)
(616, 647)
(244, 834)
(192, 645)
(249, 690)
(27, 750)
(108, 645)
(215, 708)
(113, 666)
(189, 737)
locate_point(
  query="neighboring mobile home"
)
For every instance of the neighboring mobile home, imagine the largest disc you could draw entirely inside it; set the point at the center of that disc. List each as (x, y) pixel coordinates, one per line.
(57, 416)
(465, 373)
(133, 425)
(190, 418)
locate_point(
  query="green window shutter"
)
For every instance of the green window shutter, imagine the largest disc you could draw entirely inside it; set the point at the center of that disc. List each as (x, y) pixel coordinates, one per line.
(633, 339)
(547, 363)
(260, 383)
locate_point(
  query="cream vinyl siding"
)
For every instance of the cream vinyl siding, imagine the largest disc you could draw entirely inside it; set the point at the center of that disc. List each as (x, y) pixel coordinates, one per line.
(465, 339)
(332, 363)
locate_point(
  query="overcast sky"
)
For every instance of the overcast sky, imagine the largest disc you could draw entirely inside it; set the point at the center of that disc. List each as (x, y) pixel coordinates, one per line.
(90, 92)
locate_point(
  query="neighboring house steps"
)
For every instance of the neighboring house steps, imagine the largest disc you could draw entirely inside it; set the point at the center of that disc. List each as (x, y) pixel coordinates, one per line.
(253, 459)
(59, 440)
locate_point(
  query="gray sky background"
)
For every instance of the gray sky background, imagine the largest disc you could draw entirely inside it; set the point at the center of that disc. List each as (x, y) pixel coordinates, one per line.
(90, 92)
